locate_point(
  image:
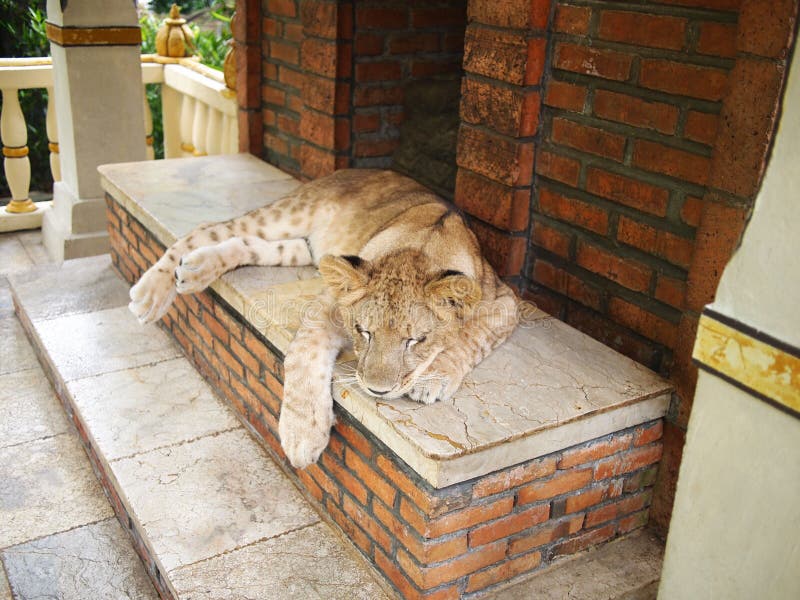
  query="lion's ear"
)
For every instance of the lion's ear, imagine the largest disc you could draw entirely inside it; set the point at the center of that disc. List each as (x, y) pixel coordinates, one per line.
(453, 288)
(346, 276)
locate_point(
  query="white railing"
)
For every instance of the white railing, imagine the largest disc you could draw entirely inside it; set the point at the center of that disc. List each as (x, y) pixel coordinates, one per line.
(198, 117)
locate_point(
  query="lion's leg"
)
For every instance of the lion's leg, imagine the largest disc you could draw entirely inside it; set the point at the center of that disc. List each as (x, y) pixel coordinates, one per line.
(491, 323)
(307, 411)
(289, 218)
(200, 267)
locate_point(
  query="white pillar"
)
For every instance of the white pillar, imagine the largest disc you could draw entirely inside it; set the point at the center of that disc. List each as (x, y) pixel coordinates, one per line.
(95, 46)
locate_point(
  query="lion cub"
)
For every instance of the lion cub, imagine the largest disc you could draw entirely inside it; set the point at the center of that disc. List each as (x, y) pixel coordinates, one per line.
(407, 288)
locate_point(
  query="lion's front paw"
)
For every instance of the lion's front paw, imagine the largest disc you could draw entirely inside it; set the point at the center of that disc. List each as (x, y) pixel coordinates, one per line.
(439, 382)
(197, 270)
(304, 436)
(152, 295)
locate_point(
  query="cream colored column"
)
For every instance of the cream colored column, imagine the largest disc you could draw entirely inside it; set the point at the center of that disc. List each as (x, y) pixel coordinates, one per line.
(736, 522)
(95, 45)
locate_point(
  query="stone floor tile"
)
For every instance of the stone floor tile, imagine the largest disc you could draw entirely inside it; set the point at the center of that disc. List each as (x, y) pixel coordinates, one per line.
(307, 564)
(32, 242)
(48, 487)
(627, 569)
(13, 256)
(209, 496)
(100, 342)
(5, 590)
(6, 303)
(94, 561)
(28, 408)
(16, 353)
(75, 286)
(137, 410)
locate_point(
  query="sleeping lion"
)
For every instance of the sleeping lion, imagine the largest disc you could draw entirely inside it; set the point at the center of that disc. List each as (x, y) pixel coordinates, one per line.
(406, 288)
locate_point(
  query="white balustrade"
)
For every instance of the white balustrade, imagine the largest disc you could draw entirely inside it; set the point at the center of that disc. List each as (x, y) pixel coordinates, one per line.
(199, 116)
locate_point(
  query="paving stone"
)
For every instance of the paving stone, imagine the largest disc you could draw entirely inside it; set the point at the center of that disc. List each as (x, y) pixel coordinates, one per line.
(88, 344)
(627, 569)
(16, 353)
(306, 564)
(94, 561)
(6, 303)
(137, 410)
(32, 242)
(5, 591)
(48, 486)
(13, 256)
(200, 499)
(75, 286)
(28, 408)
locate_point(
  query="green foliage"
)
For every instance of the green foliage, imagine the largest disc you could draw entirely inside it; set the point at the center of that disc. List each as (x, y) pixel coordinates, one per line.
(22, 33)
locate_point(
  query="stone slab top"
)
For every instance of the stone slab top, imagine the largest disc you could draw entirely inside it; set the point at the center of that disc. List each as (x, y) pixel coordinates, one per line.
(548, 387)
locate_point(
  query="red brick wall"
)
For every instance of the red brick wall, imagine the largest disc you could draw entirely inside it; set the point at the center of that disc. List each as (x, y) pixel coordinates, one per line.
(396, 43)
(656, 123)
(333, 75)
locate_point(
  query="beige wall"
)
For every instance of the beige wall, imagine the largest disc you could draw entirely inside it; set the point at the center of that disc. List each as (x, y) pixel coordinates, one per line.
(735, 531)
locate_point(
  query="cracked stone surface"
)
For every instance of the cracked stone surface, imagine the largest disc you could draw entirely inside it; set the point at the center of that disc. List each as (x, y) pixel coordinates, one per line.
(626, 569)
(16, 353)
(547, 388)
(88, 344)
(231, 186)
(28, 408)
(137, 410)
(307, 564)
(94, 561)
(75, 286)
(47, 486)
(209, 496)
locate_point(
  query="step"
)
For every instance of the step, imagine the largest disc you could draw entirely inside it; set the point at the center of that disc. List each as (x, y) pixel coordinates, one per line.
(210, 513)
(550, 447)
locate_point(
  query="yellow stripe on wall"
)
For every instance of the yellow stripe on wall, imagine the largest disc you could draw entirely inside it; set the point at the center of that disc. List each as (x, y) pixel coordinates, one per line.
(755, 364)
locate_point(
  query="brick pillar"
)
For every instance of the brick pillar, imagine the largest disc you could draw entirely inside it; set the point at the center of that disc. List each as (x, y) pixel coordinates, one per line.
(504, 59)
(246, 29)
(326, 60)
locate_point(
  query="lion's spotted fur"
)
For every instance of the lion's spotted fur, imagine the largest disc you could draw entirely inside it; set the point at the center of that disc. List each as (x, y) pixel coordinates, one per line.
(406, 286)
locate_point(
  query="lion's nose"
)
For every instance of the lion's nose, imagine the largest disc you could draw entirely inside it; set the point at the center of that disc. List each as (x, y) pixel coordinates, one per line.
(378, 392)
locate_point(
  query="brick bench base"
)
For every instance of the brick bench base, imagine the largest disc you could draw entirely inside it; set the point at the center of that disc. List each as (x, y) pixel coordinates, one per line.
(430, 543)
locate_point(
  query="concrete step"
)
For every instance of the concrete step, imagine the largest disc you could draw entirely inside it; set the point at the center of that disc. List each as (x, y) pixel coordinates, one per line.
(208, 511)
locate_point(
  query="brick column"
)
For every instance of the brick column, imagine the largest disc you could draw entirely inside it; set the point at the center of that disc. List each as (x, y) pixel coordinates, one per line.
(246, 29)
(504, 59)
(326, 59)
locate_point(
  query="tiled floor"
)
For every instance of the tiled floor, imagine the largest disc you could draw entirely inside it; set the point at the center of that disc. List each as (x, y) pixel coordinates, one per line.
(58, 534)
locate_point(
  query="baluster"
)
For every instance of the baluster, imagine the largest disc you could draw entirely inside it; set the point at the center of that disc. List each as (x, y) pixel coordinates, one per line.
(214, 132)
(233, 148)
(14, 135)
(187, 118)
(171, 121)
(148, 127)
(225, 142)
(199, 129)
(52, 135)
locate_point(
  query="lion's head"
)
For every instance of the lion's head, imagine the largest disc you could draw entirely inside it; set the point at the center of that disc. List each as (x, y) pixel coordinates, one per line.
(400, 312)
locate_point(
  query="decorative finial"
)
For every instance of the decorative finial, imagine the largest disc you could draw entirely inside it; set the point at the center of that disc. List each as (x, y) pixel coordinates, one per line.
(174, 38)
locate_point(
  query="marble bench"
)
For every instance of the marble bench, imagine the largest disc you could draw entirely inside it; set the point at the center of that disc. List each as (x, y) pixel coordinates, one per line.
(551, 445)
